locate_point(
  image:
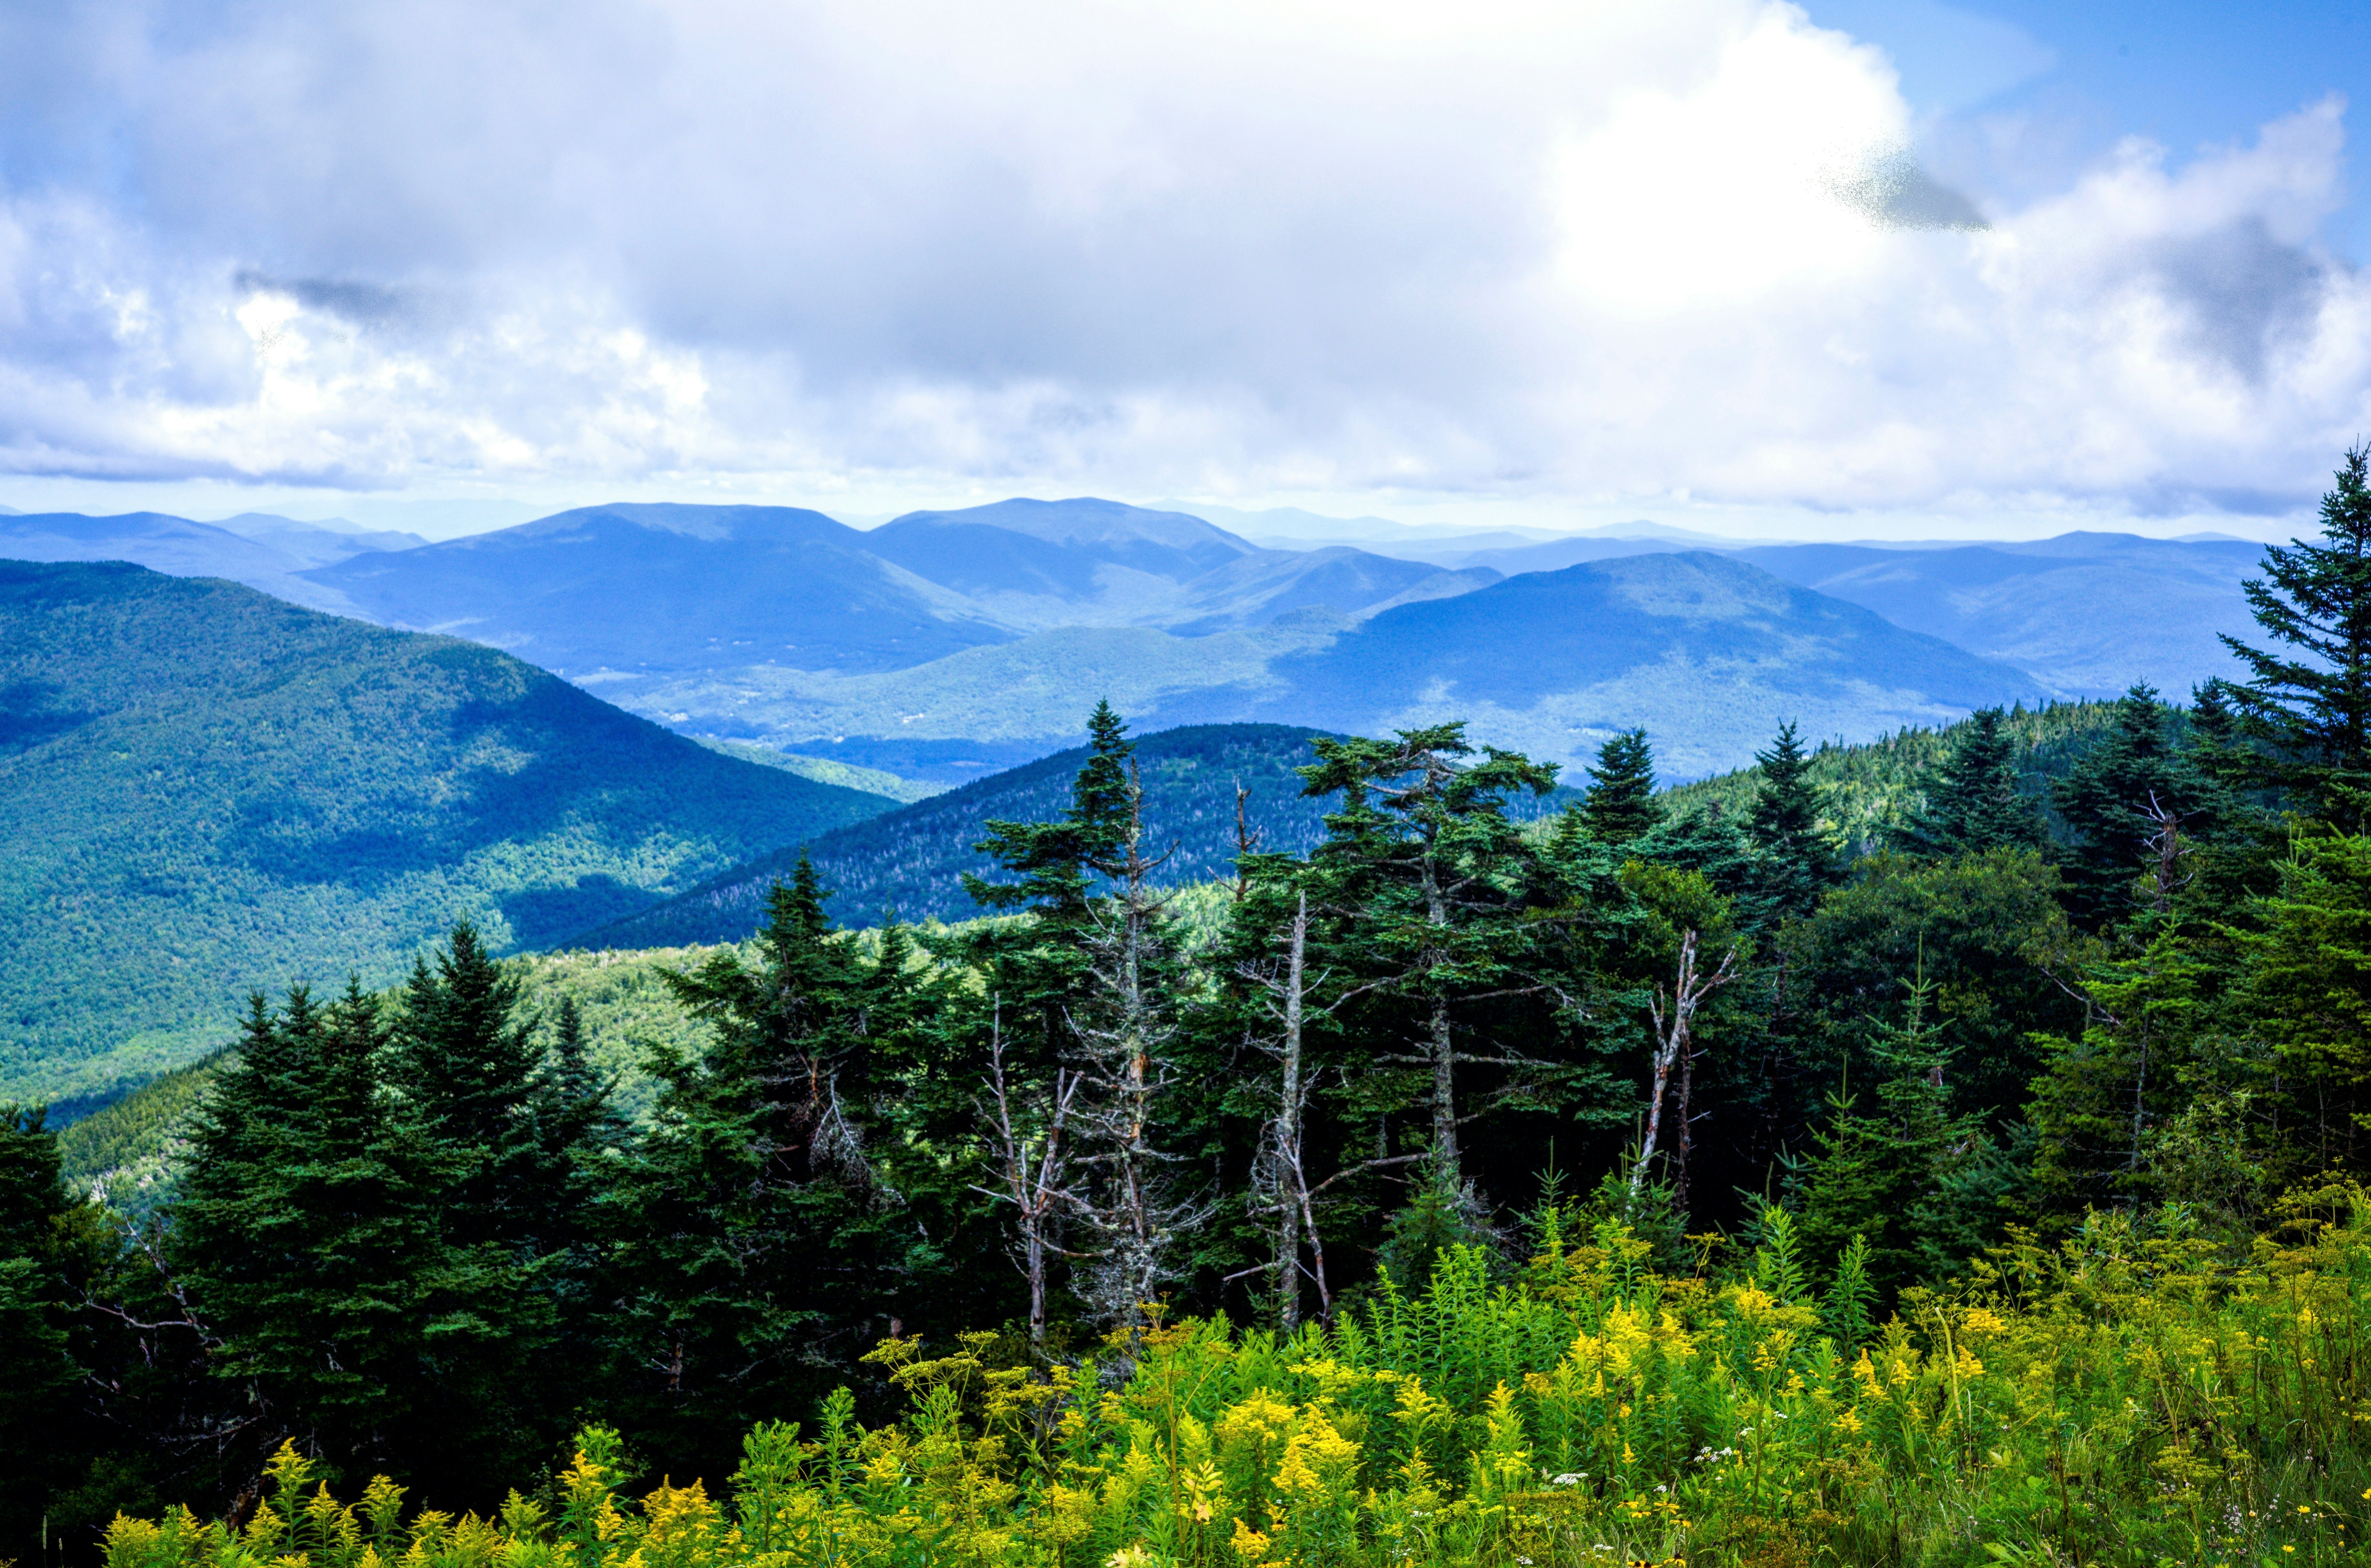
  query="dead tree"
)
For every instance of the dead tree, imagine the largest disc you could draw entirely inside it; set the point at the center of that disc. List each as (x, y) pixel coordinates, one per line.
(1247, 842)
(1130, 1207)
(1033, 1165)
(2164, 842)
(1675, 1039)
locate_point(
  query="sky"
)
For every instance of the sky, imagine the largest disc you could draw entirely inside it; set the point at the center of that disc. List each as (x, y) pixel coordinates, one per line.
(1871, 269)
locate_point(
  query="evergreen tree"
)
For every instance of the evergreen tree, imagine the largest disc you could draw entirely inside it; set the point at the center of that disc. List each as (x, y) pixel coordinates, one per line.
(1798, 857)
(2313, 713)
(1621, 802)
(1973, 800)
(2131, 803)
(311, 1229)
(466, 1058)
(1039, 969)
(756, 1249)
(1886, 1179)
(41, 1415)
(1423, 870)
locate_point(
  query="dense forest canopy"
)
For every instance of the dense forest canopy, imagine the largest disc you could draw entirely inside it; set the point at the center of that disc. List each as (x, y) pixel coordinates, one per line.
(1590, 1146)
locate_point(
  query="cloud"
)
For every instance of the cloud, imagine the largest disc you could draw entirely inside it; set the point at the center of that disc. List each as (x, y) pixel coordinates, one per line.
(1526, 249)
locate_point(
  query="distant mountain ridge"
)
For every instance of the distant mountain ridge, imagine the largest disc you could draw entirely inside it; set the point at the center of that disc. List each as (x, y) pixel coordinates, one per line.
(260, 550)
(203, 789)
(952, 641)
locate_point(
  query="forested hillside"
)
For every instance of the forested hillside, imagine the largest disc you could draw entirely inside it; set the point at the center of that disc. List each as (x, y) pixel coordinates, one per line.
(203, 788)
(914, 862)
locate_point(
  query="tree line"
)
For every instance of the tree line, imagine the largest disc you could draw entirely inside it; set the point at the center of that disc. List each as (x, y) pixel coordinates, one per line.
(414, 1235)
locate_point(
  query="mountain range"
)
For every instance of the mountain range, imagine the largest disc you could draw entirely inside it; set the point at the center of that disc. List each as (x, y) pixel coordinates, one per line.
(943, 646)
(204, 789)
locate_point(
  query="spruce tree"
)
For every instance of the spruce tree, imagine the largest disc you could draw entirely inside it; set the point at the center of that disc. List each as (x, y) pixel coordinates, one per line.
(1888, 1178)
(1423, 871)
(2310, 703)
(40, 1411)
(1621, 803)
(466, 1058)
(311, 1230)
(1798, 857)
(2120, 801)
(1973, 800)
(754, 1249)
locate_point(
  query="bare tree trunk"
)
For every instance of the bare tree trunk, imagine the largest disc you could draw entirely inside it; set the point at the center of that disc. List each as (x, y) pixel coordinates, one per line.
(1292, 1182)
(2167, 879)
(1133, 1209)
(1441, 1047)
(1684, 1143)
(1247, 840)
(1034, 1180)
(1673, 1037)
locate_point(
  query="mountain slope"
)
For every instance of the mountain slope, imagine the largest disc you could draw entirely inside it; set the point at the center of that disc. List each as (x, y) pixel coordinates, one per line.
(203, 789)
(670, 588)
(913, 860)
(1708, 654)
(2086, 614)
(175, 545)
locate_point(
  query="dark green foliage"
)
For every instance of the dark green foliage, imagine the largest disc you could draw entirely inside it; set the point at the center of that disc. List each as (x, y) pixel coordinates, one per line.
(40, 1423)
(2310, 703)
(311, 1225)
(2132, 807)
(1973, 803)
(1985, 931)
(1621, 803)
(915, 861)
(1884, 1182)
(766, 1229)
(1798, 859)
(209, 787)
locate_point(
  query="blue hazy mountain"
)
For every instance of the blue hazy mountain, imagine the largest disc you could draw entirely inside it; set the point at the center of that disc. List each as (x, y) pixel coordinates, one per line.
(2086, 614)
(262, 553)
(670, 588)
(1710, 653)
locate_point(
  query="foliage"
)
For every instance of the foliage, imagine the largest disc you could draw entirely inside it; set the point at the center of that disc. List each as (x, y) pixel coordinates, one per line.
(2134, 1396)
(1868, 793)
(2311, 704)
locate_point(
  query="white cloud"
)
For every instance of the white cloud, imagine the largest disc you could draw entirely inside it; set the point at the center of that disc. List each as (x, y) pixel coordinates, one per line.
(1543, 250)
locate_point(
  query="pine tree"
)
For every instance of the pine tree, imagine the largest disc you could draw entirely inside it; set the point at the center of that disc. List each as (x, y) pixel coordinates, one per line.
(2313, 713)
(40, 1415)
(1421, 867)
(1798, 855)
(468, 1059)
(2130, 803)
(1973, 800)
(1621, 803)
(311, 1230)
(755, 1250)
(1887, 1179)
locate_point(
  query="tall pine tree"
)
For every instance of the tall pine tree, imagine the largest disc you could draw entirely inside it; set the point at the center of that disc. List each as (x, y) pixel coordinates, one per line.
(1621, 803)
(1798, 855)
(2311, 704)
